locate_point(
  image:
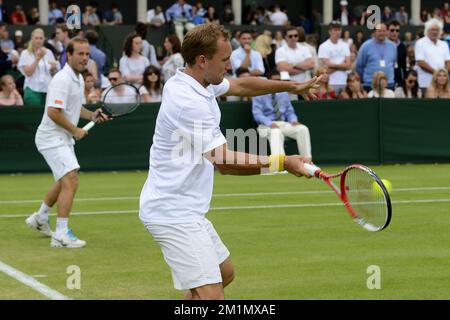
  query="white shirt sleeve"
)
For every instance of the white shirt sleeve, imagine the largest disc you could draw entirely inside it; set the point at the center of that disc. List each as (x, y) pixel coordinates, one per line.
(221, 88)
(57, 94)
(259, 64)
(123, 66)
(419, 52)
(323, 52)
(235, 61)
(279, 55)
(25, 60)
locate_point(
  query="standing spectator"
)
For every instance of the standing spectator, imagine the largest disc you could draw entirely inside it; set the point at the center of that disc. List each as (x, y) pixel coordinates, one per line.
(3, 13)
(424, 17)
(439, 87)
(408, 39)
(294, 58)
(445, 13)
(90, 17)
(278, 17)
(174, 59)
(276, 119)
(55, 15)
(91, 93)
(353, 58)
(359, 39)
(379, 87)
(9, 96)
(410, 87)
(377, 54)
(19, 41)
(354, 89)
(245, 57)
(151, 90)
(33, 16)
(387, 15)
(62, 36)
(411, 58)
(113, 16)
(228, 15)
(344, 16)
(18, 16)
(133, 64)
(96, 54)
(394, 37)
(335, 55)
(148, 50)
(180, 13)
(346, 38)
(402, 16)
(155, 17)
(305, 23)
(38, 65)
(431, 53)
(211, 15)
(325, 91)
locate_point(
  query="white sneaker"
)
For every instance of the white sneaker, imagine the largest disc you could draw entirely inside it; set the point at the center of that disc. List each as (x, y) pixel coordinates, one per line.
(43, 227)
(67, 240)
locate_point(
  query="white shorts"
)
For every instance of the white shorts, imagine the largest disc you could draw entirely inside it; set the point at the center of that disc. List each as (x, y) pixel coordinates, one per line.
(193, 252)
(61, 160)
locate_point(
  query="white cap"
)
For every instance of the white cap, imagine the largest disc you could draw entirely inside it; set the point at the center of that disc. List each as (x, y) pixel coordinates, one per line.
(344, 3)
(284, 75)
(18, 33)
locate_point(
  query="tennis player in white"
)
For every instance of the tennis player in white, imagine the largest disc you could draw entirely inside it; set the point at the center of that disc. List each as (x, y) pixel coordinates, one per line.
(177, 193)
(55, 141)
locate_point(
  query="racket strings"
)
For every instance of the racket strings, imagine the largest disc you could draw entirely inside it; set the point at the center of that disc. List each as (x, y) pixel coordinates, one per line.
(121, 99)
(366, 197)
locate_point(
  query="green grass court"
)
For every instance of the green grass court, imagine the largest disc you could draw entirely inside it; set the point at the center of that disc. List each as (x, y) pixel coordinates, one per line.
(289, 238)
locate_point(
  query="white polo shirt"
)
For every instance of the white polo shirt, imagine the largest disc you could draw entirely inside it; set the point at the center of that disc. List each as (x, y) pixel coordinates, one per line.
(294, 56)
(66, 92)
(435, 54)
(279, 18)
(180, 181)
(41, 76)
(336, 53)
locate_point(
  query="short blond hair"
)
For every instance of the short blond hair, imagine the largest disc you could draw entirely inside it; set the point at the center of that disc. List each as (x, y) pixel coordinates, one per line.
(202, 40)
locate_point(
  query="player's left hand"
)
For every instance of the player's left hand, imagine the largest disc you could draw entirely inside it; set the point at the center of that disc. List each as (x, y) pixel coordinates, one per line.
(308, 88)
(99, 117)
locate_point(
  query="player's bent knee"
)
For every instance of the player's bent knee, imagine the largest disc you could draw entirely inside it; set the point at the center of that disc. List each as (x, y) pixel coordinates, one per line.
(70, 180)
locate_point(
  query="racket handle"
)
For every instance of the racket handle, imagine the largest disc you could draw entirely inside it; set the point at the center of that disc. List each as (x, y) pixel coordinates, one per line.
(89, 126)
(312, 169)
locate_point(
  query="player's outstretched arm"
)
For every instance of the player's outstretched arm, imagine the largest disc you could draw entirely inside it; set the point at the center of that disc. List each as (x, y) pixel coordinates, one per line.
(253, 86)
(242, 164)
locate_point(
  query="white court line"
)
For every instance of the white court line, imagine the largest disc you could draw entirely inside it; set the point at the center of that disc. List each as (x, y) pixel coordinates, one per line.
(31, 282)
(225, 195)
(299, 205)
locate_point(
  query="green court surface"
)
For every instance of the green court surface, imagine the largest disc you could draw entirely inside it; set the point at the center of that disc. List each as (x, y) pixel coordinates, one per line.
(289, 238)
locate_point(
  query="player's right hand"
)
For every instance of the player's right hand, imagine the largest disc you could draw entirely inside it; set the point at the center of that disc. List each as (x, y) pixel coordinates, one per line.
(79, 133)
(294, 165)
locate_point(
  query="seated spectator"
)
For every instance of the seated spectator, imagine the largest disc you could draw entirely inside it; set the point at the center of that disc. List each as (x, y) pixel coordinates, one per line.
(148, 50)
(7, 62)
(38, 65)
(198, 18)
(180, 13)
(359, 39)
(387, 15)
(265, 48)
(155, 17)
(276, 119)
(247, 58)
(379, 86)
(410, 58)
(278, 17)
(120, 94)
(9, 96)
(402, 16)
(353, 58)
(211, 15)
(113, 16)
(278, 39)
(18, 16)
(325, 91)
(6, 44)
(410, 87)
(174, 59)
(19, 41)
(133, 64)
(151, 90)
(346, 38)
(91, 93)
(3, 13)
(228, 15)
(55, 15)
(33, 16)
(90, 17)
(408, 39)
(354, 89)
(440, 87)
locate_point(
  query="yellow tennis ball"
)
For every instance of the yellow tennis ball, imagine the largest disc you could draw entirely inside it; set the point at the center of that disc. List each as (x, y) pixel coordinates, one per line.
(377, 189)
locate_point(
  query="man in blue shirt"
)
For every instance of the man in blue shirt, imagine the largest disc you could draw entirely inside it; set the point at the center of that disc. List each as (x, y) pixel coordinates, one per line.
(377, 54)
(96, 54)
(276, 119)
(246, 58)
(180, 13)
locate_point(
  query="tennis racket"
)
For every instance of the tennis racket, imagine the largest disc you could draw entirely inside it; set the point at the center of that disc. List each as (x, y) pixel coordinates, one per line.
(362, 192)
(118, 101)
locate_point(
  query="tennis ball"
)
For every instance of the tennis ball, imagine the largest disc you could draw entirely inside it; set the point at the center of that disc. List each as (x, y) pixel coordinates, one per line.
(377, 189)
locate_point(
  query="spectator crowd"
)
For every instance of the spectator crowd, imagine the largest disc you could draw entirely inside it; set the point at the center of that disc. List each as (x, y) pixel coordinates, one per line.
(385, 64)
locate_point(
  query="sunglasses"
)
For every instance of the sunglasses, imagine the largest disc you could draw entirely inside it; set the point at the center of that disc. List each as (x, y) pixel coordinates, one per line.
(112, 79)
(293, 36)
(394, 30)
(412, 81)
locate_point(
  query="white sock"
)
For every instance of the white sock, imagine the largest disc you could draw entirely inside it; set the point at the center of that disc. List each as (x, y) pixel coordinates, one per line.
(43, 212)
(61, 226)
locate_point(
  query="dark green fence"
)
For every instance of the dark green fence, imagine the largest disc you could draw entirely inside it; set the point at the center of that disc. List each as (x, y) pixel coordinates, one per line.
(364, 131)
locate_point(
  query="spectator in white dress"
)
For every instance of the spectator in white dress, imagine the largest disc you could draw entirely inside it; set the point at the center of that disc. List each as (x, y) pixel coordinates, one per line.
(133, 64)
